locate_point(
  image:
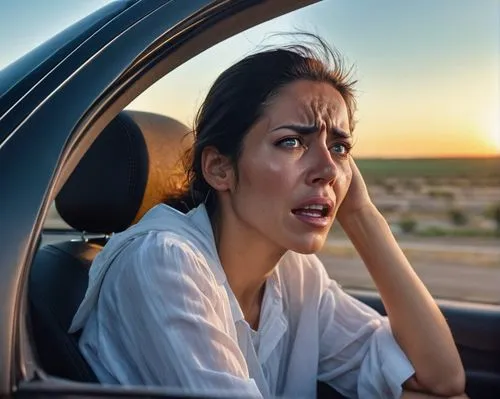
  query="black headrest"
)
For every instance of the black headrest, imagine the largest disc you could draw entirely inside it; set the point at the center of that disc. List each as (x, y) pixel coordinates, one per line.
(137, 153)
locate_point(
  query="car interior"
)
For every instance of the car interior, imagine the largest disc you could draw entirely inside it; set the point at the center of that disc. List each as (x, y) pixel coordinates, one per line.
(145, 151)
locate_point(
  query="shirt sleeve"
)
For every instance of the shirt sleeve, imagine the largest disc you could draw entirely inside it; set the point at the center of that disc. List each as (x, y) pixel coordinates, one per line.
(159, 325)
(359, 356)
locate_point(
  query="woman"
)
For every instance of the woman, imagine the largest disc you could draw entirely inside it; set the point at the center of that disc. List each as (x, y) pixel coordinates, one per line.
(230, 296)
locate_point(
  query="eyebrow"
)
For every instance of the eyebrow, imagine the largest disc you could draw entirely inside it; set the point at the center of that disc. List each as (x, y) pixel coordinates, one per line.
(310, 129)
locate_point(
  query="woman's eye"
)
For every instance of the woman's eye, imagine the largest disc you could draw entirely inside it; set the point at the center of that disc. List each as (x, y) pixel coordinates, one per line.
(340, 148)
(290, 142)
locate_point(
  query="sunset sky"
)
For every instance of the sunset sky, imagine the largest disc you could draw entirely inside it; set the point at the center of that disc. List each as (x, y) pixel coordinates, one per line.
(428, 70)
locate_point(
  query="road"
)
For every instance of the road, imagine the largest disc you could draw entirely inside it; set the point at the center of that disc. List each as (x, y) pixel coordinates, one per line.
(444, 280)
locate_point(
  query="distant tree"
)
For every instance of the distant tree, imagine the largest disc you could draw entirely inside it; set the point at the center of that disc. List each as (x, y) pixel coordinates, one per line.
(458, 217)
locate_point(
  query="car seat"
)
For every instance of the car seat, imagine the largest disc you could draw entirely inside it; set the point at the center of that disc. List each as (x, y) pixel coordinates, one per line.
(133, 165)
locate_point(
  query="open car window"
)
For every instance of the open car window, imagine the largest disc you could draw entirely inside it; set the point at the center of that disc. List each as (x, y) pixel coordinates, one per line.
(427, 136)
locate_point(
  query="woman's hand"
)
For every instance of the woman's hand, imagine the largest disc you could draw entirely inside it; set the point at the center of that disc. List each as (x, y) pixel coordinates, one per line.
(357, 196)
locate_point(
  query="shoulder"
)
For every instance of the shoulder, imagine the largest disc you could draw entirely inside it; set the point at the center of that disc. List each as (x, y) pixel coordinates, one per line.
(158, 257)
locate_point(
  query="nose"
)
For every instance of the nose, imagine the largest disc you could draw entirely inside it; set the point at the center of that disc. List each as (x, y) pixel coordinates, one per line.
(323, 169)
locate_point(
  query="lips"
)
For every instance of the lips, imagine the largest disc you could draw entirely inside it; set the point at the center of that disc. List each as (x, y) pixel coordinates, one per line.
(315, 211)
(315, 207)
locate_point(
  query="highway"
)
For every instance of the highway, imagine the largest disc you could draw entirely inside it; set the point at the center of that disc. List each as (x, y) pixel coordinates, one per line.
(450, 280)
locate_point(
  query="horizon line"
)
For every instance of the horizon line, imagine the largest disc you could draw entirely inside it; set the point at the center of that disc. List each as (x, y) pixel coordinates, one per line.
(429, 157)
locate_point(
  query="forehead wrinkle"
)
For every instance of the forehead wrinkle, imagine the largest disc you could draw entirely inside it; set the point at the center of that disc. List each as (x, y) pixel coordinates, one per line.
(325, 115)
(321, 111)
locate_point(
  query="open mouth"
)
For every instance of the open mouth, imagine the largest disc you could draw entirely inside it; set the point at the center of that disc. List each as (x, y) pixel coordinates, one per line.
(313, 211)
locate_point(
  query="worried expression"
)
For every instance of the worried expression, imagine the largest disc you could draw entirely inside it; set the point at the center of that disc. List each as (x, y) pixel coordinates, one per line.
(294, 168)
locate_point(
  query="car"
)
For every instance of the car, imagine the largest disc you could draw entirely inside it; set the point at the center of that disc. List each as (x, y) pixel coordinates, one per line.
(64, 133)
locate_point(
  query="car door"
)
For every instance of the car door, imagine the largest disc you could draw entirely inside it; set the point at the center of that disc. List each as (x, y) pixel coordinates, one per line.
(72, 94)
(54, 103)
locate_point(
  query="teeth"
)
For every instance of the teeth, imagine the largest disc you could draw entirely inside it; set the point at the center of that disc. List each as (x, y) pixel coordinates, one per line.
(311, 214)
(316, 207)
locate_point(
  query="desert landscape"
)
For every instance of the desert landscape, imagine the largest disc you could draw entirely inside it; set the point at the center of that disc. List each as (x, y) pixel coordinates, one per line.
(445, 213)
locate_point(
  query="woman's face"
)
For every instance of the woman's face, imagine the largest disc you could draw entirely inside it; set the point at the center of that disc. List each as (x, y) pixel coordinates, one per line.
(294, 170)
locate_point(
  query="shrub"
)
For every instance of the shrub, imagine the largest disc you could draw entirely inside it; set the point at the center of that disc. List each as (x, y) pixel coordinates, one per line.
(407, 224)
(433, 231)
(493, 212)
(458, 217)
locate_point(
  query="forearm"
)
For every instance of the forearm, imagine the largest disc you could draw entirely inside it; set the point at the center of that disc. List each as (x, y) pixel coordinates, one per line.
(417, 323)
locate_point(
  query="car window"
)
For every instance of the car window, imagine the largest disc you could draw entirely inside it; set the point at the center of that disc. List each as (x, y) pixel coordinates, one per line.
(427, 137)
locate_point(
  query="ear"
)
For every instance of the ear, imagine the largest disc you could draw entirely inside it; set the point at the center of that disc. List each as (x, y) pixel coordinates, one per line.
(217, 169)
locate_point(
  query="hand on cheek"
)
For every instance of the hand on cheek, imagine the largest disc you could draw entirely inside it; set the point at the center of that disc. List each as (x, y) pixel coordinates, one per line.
(357, 196)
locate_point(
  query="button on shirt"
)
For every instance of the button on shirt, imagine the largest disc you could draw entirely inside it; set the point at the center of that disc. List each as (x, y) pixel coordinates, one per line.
(159, 311)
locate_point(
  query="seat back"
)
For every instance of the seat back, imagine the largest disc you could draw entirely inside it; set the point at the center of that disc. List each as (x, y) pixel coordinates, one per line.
(122, 175)
(57, 284)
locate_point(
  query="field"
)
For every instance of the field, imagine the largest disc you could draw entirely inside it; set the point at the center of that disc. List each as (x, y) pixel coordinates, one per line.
(445, 215)
(477, 170)
(437, 196)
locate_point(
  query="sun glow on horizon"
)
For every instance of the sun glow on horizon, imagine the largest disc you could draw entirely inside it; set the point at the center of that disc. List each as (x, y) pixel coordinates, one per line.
(495, 134)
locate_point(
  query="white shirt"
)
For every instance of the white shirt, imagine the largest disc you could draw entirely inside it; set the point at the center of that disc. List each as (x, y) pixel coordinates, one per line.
(159, 311)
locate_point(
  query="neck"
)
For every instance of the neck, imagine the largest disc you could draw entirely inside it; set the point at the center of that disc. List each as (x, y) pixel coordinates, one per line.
(248, 260)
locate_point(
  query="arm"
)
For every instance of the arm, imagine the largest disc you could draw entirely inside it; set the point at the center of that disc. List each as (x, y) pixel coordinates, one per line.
(416, 321)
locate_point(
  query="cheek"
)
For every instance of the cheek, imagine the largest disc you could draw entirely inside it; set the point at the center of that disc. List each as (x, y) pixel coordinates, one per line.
(265, 174)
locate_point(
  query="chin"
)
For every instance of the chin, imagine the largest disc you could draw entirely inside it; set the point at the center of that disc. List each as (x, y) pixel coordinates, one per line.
(308, 246)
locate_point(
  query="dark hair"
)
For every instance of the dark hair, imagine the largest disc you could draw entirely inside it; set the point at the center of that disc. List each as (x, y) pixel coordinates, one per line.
(237, 99)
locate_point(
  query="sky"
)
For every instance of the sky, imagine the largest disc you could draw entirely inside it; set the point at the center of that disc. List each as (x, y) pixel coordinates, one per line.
(427, 70)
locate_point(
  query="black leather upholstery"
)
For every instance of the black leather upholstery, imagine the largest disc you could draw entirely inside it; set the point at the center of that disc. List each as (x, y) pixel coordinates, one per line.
(57, 281)
(103, 195)
(108, 184)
